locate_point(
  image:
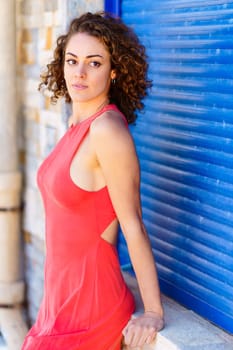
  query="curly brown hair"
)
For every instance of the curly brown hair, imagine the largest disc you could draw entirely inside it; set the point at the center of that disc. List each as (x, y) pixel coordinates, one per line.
(127, 55)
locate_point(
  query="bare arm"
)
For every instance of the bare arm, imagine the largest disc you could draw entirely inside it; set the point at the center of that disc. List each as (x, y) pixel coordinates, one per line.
(118, 160)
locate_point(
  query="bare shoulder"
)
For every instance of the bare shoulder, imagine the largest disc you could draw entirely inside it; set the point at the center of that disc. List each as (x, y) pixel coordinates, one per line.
(110, 135)
(109, 123)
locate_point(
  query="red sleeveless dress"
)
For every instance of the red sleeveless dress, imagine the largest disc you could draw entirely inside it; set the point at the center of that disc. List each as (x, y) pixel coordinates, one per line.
(86, 302)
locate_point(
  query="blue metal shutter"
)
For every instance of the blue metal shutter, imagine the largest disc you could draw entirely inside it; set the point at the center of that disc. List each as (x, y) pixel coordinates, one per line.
(113, 7)
(185, 145)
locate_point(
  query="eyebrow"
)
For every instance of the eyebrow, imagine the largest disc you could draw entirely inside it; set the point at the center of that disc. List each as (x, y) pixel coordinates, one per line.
(89, 56)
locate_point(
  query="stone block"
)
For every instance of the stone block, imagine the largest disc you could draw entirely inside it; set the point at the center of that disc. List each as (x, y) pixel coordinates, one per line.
(11, 293)
(13, 328)
(31, 114)
(33, 99)
(51, 5)
(31, 85)
(49, 36)
(60, 14)
(32, 138)
(27, 53)
(10, 188)
(34, 213)
(77, 8)
(44, 56)
(34, 266)
(29, 7)
(48, 19)
(49, 140)
(9, 246)
(26, 35)
(31, 168)
(51, 118)
(32, 21)
(28, 45)
(57, 31)
(184, 330)
(32, 71)
(51, 129)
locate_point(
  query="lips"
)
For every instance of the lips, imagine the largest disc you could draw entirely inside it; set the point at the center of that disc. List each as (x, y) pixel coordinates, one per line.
(79, 86)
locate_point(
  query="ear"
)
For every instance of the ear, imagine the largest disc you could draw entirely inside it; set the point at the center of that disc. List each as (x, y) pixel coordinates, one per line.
(113, 74)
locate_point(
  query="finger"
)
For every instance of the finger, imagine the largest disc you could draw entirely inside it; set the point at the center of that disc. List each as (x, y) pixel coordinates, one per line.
(152, 333)
(151, 338)
(128, 334)
(138, 337)
(125, 329)
(135, 336)
(142, 340)
(146, 336)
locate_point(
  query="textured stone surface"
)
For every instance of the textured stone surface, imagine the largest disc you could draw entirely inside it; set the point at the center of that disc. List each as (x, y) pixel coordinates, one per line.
(38, 25)
(8, 129)
(184, 330)
(34, 266)
(13, 328)
(11, 293)
(76, 8)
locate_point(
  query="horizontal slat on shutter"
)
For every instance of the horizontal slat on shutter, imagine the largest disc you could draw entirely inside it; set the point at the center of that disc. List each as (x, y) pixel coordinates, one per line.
(185, 144)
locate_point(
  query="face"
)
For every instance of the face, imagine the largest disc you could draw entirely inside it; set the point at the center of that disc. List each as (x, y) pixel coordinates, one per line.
(87, 69)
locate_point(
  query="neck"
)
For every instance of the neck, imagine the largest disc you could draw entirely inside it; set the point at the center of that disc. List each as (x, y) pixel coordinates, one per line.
(82, 111)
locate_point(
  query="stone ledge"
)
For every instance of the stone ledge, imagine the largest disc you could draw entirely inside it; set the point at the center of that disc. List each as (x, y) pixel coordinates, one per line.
(184, 330)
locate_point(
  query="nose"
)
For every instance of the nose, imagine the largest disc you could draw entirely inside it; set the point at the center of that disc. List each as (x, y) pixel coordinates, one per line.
(80, 70)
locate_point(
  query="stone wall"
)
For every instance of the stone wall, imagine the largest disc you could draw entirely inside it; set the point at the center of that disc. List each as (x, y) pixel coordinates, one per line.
(39, 22)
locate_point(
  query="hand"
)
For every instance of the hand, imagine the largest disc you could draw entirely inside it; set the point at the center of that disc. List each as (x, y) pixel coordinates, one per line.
(143, 329)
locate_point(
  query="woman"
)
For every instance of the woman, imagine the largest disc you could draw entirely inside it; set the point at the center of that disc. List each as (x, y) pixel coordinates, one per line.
(89, 184)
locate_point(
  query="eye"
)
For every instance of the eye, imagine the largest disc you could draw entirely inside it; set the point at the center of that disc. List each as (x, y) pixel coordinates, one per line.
(70, 61)
(95, 64)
